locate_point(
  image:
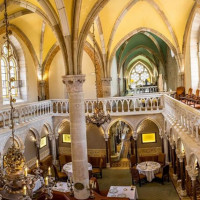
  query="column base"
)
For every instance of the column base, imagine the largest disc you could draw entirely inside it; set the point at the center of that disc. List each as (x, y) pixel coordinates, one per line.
(175, 177)
(183, 193)
(107, 165)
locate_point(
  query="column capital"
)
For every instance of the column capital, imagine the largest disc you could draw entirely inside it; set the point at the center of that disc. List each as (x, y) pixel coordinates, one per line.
(106, 81)
(74, 83)
(42, 83)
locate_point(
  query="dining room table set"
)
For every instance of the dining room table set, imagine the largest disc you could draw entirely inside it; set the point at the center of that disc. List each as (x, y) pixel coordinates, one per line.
(149, 169)
(123, 191)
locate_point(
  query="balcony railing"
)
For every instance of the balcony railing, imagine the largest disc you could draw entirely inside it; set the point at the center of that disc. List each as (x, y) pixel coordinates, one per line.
(117, 106)
(186, 117)
(141, 104)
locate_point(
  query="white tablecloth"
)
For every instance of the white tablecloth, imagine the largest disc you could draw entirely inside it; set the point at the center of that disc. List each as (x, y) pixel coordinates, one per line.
(67, 168)
(148, 168)
(123, 191)
(61, 187)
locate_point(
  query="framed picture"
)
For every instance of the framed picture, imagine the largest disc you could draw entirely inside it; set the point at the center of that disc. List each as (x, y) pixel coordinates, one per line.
(66, 138)
(148, 138)
(43, 142)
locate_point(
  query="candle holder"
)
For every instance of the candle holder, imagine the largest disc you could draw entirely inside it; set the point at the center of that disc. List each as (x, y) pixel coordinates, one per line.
(91, 187)
(70, 186)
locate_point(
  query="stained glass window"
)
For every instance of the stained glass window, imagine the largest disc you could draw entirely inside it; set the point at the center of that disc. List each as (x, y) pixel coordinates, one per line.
(139, 75)
(5, 71)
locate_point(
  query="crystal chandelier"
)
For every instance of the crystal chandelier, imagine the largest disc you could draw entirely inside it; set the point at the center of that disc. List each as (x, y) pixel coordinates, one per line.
(98, 117)
(15, 182)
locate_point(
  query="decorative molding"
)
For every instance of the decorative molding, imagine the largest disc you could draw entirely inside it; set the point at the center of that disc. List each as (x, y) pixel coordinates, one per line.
(74, 83)
(149, 151)
(91, 152)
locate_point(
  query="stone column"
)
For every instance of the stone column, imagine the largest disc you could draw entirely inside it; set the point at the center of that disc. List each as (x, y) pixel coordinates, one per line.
(42, 95)
(74, 85)
(197, 133)
(118, 85)
(183, 191)
(174, 162)
(107, 152)
(37, 144)
(135, 136)
(106, 85)
(194, 194)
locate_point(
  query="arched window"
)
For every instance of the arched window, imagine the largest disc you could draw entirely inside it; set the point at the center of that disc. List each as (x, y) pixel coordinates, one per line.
(5, 71)
(139, 75)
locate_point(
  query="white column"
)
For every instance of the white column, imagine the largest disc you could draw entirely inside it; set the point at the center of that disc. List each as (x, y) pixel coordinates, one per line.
(197, 133)
(74, 85)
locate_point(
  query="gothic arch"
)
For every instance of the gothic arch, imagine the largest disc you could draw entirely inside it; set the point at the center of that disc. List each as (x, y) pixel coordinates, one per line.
(115, 120)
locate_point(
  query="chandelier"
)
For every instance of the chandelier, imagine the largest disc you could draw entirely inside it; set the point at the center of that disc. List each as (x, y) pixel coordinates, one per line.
(98, 117)
(15, 182)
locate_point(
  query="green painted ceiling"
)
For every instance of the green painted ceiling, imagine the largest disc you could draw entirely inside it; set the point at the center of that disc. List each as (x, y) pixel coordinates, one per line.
(141, 47)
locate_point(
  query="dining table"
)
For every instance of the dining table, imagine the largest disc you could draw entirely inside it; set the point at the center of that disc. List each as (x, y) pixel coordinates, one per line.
(149, 169)
(67, 168)
(123, 191)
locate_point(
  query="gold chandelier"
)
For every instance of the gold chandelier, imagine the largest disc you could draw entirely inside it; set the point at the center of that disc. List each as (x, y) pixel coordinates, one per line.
(15, 183)
(98, 117)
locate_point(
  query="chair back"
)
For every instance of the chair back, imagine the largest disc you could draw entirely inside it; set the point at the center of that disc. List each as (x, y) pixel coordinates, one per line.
(135, 174)
(190, 91)
(166, 170)
(180, 91)
(161, 158)
(94, 180)
(55, 172)
(133, 160)
(197, 93)
(62, 160)
(101, 163)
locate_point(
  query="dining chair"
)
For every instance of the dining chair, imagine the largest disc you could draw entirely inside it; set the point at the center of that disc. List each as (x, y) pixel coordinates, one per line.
(161, 159)
(164, 173)
(98, 171)
(133, 161)
(62, 161)
(59, 176)
(97, 190)
(56, 196)
(136, 177)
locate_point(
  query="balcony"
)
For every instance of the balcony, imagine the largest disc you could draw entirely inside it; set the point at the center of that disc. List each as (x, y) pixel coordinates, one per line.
(172, 109)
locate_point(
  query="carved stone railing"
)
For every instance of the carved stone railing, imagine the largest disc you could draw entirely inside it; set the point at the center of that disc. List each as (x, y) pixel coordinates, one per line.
(144, 89)
(116, 106)
(183, 115)
(25, 112)
(133, 105)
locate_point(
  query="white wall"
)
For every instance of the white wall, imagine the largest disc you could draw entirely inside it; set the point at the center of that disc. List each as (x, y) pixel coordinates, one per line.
(114, 77)
(89, 87)
(57, 70)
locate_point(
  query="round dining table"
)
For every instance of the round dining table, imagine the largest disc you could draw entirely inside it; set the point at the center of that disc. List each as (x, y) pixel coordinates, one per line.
(67, 168)
(148, 168)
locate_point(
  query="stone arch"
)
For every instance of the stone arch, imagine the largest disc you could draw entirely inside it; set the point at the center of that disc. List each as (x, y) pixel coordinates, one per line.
(59, 124)
(90, 51)
(115, 120)
(153, 120)
(48, 126)
(192, 159)
(17, 139)
(36, 133)
(85, 29)
(130, 34)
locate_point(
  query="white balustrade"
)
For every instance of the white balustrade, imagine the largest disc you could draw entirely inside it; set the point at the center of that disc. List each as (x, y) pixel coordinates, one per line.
(187, 118)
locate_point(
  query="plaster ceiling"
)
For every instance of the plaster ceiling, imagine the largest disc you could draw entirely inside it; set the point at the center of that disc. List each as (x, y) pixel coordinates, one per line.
(117, 18)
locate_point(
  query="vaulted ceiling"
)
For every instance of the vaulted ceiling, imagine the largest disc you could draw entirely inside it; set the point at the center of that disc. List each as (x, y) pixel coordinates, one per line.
(115, 22)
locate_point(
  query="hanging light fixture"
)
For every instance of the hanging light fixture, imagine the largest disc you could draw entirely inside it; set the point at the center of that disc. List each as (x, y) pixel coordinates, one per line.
(15, 183)
(98, 117)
